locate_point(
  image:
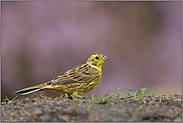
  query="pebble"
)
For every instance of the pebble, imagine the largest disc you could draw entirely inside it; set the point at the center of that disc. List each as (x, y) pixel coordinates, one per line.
(45, 117)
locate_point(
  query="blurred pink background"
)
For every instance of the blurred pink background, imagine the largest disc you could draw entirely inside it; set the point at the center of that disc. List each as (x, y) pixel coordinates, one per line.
(41, 40)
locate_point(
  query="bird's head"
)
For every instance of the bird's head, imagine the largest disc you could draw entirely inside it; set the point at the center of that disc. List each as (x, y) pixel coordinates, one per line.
(97, 60)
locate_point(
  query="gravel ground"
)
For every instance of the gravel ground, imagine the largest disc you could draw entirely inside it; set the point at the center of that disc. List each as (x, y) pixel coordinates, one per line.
(56, 109)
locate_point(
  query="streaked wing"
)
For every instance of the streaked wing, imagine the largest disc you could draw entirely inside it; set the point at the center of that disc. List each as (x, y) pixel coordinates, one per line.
(80, 74)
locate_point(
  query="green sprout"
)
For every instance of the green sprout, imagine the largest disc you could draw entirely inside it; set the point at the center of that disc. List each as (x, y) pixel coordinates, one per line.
(132, 93)
(138, 94)
(173, 94)
(118, 94)
(9, 101)
(103, 99)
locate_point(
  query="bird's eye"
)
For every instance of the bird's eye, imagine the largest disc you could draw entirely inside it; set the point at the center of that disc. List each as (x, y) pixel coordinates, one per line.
(96, 57)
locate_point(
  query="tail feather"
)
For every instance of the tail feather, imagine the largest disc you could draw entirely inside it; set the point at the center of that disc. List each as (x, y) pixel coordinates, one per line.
(29, 90)
(39, 88)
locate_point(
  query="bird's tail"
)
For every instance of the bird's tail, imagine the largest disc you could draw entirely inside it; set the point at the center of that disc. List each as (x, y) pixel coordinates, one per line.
(31, 89)
(48, 85)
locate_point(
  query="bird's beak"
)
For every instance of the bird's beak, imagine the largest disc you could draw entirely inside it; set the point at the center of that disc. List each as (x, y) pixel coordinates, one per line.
(105, 58)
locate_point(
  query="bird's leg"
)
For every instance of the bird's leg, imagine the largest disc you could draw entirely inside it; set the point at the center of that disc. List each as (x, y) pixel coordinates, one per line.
(42, 93)
(82, 94)
(69, 96)
(75, 94)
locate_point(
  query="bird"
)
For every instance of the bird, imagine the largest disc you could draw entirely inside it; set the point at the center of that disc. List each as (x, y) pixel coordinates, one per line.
(78, 80)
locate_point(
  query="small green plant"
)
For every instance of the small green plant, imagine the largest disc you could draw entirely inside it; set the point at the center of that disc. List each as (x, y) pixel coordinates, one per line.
(118, 94)
(7, 100)
(103, 99)
(173, 94)
(138, 94)
(133, 94)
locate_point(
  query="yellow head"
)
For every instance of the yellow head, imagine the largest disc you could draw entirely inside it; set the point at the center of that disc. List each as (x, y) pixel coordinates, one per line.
(97, 60)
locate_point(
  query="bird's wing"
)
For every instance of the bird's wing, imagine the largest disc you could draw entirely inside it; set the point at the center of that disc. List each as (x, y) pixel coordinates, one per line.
(80, 74)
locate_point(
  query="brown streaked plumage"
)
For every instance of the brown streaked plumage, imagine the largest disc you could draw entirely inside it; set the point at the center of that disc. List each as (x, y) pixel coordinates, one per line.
(75, 81)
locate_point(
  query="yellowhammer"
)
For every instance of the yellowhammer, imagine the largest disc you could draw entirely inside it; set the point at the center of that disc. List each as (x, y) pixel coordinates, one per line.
(75, 81)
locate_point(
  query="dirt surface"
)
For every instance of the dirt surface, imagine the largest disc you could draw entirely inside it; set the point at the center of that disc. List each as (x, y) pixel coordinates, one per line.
(151, 108)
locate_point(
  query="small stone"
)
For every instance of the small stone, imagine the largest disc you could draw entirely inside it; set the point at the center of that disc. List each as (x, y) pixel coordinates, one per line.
(37, 112)
(178, 119)
(16, 107)
(126, 115)
(26, 100)
(54, 119)
(45, 117)
(171, 111)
